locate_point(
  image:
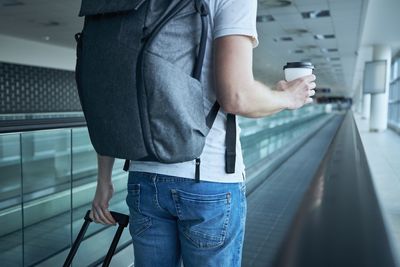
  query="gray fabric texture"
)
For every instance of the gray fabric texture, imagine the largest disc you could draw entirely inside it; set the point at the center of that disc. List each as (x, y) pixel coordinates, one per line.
(160, 117)
(95, 7)
(175, 109)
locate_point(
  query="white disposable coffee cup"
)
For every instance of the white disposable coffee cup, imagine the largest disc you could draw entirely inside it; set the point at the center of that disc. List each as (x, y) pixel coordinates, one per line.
(294, 70)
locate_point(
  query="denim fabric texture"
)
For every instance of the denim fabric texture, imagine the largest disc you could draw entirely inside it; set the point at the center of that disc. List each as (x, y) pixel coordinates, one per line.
(174, 219)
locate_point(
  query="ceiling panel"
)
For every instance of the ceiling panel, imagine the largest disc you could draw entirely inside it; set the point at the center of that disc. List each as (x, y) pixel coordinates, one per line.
(288, 19)
(350, 5)
(320, 26)
(321, 5)
(269, 29)
(327, 43)
(35, 21)
(277, 10)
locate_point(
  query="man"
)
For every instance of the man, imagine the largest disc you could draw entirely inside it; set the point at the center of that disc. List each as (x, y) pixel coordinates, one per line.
(171, 216)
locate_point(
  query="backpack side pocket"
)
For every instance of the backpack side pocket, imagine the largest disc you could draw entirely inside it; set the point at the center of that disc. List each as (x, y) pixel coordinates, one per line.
(174, 109)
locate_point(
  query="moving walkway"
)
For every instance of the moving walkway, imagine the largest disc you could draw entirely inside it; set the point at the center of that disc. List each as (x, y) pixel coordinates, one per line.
(48, 180)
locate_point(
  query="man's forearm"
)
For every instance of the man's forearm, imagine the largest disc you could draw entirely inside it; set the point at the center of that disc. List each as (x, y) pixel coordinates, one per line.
(237, 91)
(254, 99)
(105, 166)
(258, 100)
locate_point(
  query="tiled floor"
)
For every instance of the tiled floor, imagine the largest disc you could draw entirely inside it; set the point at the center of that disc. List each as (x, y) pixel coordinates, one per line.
(383, 155)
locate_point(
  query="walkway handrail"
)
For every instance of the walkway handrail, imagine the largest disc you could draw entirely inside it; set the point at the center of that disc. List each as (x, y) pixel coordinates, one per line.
(14, 126)
(339, 222)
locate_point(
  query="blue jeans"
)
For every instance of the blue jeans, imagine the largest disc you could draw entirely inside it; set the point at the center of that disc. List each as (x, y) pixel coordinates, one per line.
(174, 219)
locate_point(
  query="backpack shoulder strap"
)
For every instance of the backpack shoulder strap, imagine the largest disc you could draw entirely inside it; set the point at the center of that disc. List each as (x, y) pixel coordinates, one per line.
(230, 153)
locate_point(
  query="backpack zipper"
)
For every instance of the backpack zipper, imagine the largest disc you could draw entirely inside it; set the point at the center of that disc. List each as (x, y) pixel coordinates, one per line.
(138, 5)
(197, 174)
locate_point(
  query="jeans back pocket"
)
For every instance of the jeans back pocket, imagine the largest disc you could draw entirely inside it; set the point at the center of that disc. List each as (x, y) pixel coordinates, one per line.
(203, 219)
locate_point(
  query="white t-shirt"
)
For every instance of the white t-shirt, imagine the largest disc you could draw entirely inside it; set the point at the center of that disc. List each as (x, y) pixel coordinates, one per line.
(227, 17)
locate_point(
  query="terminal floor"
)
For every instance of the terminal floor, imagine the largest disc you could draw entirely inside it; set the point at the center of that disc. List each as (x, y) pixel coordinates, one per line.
(383, 154)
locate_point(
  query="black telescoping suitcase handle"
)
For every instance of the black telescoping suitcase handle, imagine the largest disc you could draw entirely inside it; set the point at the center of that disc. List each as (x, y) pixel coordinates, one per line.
(121, 219)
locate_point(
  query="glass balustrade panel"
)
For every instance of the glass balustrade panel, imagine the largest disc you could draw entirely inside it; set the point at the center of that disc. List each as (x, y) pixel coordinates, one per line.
(11, 240)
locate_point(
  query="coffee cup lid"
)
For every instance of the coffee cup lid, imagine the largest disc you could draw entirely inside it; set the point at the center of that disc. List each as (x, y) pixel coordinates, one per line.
(307, 65)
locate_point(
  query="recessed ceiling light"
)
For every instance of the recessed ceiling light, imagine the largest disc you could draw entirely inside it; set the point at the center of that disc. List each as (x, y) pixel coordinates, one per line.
(46, 38)
(296, 31)
(315, 14)
(275, 3)
(286, 39)
(265, 18)
(326, 50)
(324, 36)
(309, 46)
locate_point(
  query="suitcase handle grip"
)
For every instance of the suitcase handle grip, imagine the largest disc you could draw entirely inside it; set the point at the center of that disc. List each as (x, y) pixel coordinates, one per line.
(120, 218)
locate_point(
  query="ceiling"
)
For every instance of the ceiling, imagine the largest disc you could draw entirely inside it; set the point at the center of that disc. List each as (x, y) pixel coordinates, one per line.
(56, 22)
(51, 21)
(334, 58)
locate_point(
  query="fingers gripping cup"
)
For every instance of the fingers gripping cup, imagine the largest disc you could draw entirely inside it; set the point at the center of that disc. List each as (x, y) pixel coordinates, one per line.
(294, 70)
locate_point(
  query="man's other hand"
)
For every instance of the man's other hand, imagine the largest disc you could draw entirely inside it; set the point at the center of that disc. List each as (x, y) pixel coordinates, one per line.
(100, 212)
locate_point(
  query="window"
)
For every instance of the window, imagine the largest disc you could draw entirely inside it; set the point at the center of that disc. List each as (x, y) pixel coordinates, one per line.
(394, 96)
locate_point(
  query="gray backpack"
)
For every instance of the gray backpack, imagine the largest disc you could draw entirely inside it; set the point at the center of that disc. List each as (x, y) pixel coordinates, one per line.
(138, 74)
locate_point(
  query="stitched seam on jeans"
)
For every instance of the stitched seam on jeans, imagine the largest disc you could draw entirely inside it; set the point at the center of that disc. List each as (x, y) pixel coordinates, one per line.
(216, 198)
(134, 196)
(209, 245)
(156, 202)
(214, 238)
(144, 222)
(176, 205)
(143, 227)
(226, 223)
(215, 241)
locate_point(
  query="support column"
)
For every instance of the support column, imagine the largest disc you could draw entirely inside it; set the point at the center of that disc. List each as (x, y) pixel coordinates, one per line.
(379, 102)
(359, 99)
(366, 106)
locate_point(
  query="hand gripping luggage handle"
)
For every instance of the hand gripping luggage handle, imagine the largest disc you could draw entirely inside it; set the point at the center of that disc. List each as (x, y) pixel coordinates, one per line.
(122, 221)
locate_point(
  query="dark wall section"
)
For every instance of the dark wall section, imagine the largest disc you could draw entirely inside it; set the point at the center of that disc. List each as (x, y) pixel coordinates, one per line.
(28, 89)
